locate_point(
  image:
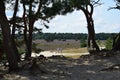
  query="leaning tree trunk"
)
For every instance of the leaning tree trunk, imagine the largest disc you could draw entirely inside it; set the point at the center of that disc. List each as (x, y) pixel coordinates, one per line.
(8, 49)
(90, 25)
(91, 32)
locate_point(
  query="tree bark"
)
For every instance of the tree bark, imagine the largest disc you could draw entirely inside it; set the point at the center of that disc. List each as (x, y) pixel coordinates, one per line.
(32, 19)
(30, 31)
(25, 31)
(29, 43)
(90, 25)
(7, 44)
(13, 30)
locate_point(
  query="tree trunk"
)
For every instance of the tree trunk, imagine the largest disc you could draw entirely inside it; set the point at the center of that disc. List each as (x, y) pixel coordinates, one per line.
(91, 32)
(25, 31)
(13, 30)
(32, 19)
(31, 24)
(15, 48)
(29, 43)
(8, 49)
(90, 25)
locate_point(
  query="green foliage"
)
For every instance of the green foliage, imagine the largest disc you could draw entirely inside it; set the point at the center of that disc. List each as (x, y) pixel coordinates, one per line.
(49, 38)
(117, 5)
(21, 51)
(83, 43)
(104, 36)
(27, 2)
(78, 3)
(76, 36)
(52, 11)
(108, 44)
(67, 7)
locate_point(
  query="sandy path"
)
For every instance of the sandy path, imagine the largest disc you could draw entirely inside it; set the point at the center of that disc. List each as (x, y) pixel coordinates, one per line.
(49, 53)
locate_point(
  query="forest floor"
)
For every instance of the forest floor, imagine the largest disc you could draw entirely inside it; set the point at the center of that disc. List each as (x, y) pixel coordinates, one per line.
(58, 67)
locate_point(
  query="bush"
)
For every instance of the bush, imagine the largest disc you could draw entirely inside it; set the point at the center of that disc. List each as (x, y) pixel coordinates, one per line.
(108, 44)
(83, 43)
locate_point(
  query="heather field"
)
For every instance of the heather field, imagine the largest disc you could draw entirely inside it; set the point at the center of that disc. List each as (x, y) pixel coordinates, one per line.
(68, 46)
(44, 45)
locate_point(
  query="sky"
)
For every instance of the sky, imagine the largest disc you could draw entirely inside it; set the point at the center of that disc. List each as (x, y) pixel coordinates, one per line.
(105, 21)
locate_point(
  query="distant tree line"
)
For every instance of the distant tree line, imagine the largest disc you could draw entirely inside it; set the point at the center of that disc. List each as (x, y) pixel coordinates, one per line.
(59, 36)
(75, 36)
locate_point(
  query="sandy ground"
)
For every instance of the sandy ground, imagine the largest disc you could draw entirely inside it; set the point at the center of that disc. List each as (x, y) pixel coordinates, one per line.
(61, 68)
(50, 53)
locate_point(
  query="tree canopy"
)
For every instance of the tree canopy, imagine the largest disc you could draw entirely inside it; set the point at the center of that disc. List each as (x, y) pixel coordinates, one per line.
(117, 4)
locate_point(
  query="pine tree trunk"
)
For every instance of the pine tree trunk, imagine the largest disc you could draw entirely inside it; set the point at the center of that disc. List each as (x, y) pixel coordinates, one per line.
(91, 32)
(90, 25)
(31, 24)
(7, 43)
(29, 43)
(13, 30)
(15, 48)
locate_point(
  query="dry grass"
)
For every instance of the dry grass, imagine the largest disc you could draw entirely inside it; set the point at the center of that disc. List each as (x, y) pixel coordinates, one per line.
(73, 57)
(75, 50)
